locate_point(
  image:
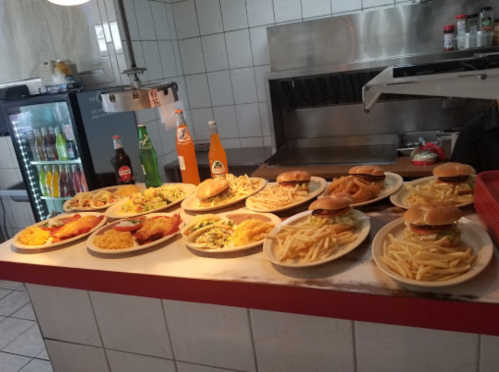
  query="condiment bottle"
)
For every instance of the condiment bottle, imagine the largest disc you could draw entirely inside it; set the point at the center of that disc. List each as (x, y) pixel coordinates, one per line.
(496, 32)
(486, 19)
(460, 30)
(449, 38)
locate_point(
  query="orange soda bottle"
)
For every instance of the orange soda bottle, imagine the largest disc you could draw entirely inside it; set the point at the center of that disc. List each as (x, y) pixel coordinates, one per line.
(55, 181)
(216, 155)
(185, 151)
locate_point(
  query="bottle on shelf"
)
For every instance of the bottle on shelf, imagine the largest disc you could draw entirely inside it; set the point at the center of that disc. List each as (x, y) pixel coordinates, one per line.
(216, 155)
(48, 179)
(39, 144)
(60, 144)
(83, 180)
(148, 159)
(32, 145)
(186, 152)
(55, 181)
(48, 145)
(122, 164)
(51, 131)
(42, 180)
(70, 188)
(70, 141)
(78, 187)
(63, 178)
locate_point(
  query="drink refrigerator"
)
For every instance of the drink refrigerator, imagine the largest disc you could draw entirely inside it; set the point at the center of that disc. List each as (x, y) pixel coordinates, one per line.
(74, 121)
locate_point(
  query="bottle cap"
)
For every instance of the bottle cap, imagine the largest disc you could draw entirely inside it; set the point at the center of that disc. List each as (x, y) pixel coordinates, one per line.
(212, 123)
(141, 125)
(449, 28)
(116, 137)
(461, 16)
(179, 111)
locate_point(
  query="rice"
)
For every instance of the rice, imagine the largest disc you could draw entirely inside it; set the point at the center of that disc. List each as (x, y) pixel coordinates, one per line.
(112, 239)
(251, 231)
(126, 191)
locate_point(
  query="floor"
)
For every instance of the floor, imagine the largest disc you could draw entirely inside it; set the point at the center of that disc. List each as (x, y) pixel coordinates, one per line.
(21, 344)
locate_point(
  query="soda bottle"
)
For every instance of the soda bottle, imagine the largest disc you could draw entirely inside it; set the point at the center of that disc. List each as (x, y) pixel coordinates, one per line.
(70, 189)
(62, 183)
(55, 181)
(122, 164)
(78, 187)
(48, 179)
(48, 146)
(70, 141)
(185, 151)
(83, 180)
(216, 155)
(39, 145)
(32, 144)
(42, 180)
(148, 159)
(52, 134)
(60, 144)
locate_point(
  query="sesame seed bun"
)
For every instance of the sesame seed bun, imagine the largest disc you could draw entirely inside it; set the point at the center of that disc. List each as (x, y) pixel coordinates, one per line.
(333, 202)
(211, 187)
(433, 214)
(372, 170)
(294, 176)
(453, 170)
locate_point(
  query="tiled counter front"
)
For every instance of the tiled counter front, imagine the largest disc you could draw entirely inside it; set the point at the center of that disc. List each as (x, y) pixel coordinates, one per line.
(100, 332)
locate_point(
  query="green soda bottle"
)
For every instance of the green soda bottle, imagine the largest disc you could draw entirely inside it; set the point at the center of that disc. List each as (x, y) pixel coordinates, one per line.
(148, 159)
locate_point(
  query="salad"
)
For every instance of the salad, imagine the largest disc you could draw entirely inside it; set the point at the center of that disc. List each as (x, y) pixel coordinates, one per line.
(152, 198)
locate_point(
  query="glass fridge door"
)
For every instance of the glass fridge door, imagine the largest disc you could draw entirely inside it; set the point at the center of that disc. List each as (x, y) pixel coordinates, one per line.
(44, 136)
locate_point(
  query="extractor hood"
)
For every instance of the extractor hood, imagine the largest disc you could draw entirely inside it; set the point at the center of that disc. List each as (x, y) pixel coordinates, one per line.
(476, 77)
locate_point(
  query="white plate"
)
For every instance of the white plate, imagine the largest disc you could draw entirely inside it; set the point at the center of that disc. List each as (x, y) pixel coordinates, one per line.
(191, 202)
(113, 211)
(393, 182)
(17, 244)
(362, 231)
(473, 235)
(226, 216)
(317, 187)
(111, 189)
(398, 197)
(136, 246)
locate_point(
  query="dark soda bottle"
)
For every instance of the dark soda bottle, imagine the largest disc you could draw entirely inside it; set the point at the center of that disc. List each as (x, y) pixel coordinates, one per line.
(122, 164)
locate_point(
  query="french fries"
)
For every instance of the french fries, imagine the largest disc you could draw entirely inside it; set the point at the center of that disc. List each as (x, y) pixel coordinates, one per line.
(241, 186)
(305, 243)
(434, 191)
(361, 191)
(427, 262)
(275, 196)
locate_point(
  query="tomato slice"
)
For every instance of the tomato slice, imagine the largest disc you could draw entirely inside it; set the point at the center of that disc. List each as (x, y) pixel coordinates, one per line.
(128, 225)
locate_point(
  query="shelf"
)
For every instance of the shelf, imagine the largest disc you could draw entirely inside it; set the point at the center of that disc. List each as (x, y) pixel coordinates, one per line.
(55, 198)
(62, 162)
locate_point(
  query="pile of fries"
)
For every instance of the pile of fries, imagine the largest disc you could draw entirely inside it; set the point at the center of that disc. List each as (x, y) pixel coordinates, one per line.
(242, 186)
(275, 197)
(306, 243)
(360, 190)
(427, 262)
(434, 191)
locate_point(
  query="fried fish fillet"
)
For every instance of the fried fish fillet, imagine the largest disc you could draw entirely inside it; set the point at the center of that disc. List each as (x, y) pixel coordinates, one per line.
(76, 227)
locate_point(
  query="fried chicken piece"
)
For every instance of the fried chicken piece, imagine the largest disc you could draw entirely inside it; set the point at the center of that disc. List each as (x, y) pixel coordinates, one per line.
(76, 227)
(157, 228)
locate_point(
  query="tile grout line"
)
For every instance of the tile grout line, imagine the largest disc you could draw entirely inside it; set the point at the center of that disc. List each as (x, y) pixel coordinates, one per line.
(252, 337)
(168, 333)
(98, 329)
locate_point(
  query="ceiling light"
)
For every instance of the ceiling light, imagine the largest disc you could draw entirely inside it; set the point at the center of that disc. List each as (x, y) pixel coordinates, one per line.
(69, 2)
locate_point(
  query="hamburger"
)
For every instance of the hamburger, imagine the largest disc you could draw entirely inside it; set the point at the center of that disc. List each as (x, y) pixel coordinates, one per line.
(291, 179)
(454, 173)
(336, 210)
(369, 173)
(213, 192)
(433, 222)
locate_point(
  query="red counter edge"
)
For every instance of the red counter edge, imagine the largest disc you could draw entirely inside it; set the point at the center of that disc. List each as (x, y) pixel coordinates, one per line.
(456, 316)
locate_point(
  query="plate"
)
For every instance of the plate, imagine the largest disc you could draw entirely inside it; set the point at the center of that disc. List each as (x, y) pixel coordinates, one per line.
(226, 216)
(400, 195)
(191, 202)
(392, 180)
(317, 187)
(136, 246)
(111, 189)
(473, 235)
(113, 211)
(17, 244)
(362, 230)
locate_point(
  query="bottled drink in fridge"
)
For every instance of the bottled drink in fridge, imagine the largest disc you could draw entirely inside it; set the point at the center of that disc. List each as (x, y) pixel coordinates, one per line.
(70, 189)
(63, 181)
(148, 159)
(75, 174)
(48, 145)
(51, 131)
(39, 144)
(32, 144)
(70, 141)
(216, 155)
(83, 180)
(185, 151)
(55, 181)
(60, 144)
(122, 164)
(48, 179)
(42, 180)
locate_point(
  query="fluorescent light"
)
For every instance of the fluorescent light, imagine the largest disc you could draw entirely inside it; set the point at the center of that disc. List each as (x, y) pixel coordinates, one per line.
(69, 2)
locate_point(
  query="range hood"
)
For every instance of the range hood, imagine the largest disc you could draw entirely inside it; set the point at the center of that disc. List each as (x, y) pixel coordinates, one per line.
(476, 77)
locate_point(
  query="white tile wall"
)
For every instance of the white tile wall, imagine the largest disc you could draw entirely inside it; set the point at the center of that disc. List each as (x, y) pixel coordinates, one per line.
(160, 18)
(215, 52)
(66, 357)
(244, 85)
(239, 49)
(248, 120)
(198, 90)
(192, 56)
(185, 14)
(209, 16)
(220, 88)
(315, 8)
(126, 362)
(260, 12)
(234, 14)
(288, 10)
(226, 121)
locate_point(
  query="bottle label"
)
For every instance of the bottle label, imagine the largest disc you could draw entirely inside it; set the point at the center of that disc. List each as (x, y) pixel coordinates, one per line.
(449, 41)
(145, 144)
(217, 168)
(183, 135)
(68, 131)
(125, 174)
(181, 162)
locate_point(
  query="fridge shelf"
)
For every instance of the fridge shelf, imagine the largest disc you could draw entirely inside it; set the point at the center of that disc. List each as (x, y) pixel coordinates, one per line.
(56, 198)
(62, 162)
